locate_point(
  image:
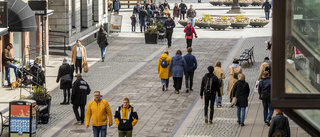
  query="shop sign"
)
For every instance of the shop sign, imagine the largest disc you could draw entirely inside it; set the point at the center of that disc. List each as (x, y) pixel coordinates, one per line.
(115, 23)
(3, 15)
(38, 7)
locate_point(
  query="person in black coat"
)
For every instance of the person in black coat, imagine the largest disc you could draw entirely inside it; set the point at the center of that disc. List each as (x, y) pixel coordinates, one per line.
(80, 90)
(279, 125)
(267, 6)
(142, 17)
(65, 83)
(169, 25)
(241, 90)
(210, 86)
(183, 9)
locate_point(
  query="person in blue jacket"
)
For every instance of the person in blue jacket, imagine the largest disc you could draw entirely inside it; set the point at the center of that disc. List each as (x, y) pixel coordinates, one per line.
(191, 67)
(169, 25)
(116, 6)
(177, 66)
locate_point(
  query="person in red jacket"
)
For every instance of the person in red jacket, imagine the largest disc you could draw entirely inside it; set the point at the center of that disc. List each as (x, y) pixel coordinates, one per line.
(189, 30)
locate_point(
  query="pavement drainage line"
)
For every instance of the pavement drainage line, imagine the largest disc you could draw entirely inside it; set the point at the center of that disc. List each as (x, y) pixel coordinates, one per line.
(194, 102)
(104, 96)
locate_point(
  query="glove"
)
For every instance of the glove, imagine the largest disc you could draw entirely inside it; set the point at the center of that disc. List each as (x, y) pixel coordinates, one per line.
(196, 36)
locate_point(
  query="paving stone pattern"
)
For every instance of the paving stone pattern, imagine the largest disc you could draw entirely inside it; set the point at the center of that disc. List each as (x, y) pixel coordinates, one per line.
(224, 121)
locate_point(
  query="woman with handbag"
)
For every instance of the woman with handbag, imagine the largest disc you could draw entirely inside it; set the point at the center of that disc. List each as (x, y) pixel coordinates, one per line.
(79, 56)
(65, 75)
(234, 70)
(103, 42)
(241, 90)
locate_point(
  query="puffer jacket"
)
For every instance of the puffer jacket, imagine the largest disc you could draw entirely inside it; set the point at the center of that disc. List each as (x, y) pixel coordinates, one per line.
(177, 66)
(126, 118)
(164, 72)
(100, 112)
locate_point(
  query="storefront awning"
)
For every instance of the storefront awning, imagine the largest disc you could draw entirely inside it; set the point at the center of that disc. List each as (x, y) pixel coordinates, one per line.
(20, 16)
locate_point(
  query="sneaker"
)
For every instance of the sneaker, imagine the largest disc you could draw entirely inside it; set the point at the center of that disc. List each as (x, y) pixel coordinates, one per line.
(268, 122)
(162, 87)
(242, 124)
(220, 105)
(176, 91)
(205, 119)
(77, 122)
(187, 91)
(210, 122)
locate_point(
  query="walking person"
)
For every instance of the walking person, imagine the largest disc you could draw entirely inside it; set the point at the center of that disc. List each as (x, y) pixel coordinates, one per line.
(169, 25)
(65, 75)
(209, 87)
(116, 6)
(161, 8)
(183, 9)
(234, 70)
(142, 17)
(189, 30)
(103, 42)
(8, 63)
(191, 62)
(80, 90)
(266, 63)
(126, 118)
(136, 11)
(219, 72)
(166, 4)
(163, 69)
(79, 56)
(100, 112)
(267, 6)
(133, 23)
(279, 125)
(177, 66)
(191, 13)
(176, 12)
(264, 90)
(241, 90)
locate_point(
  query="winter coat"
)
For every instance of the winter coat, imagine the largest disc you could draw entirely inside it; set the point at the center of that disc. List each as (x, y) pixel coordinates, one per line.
(102, 39)
(265, 85)
(183, 7)
(7, 57)
(192, 30)
(262, 68)
(191, 13)
(241, 90)
(136, 10)
(191, 62)
(176, 12)
(74, 55)
(219, 72)
(169, 23)
(116, 5)
(133, 20)
(231, 79)
(161, 8)
(177, 66)
(100, 112)
(80, 90)
(267, 6)
(214, 85)
(279, 123)
(126, 118)
(143, 14)
(150, 14)
(65, 69)
(164, 72)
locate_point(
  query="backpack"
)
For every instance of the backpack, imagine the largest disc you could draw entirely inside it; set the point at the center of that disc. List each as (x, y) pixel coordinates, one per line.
(164, 63)
(188, 31)
(264, 95)
(209, 85)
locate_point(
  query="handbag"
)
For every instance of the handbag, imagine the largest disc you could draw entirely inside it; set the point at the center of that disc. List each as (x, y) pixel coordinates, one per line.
(66, 78)
(256, 89)
(85, 67)
(235, 75)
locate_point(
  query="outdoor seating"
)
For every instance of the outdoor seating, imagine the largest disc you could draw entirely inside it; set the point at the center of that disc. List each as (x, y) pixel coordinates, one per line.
(247, 55)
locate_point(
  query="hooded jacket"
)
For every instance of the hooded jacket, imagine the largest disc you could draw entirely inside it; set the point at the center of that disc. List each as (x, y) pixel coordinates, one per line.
(126, 118)
(100, 112)
(177, 66)
(215, 87)
(191, 62)
(267, 6)
(164, 72)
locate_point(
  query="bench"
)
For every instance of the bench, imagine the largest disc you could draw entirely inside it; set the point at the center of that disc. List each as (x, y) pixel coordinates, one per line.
(247, 55)
(122, 2)
(4, 122)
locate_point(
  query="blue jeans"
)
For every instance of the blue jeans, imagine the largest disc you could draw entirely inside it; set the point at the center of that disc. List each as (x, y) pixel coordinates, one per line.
(137, 18)
(192, 21)
(165, 81)
(143, 23)
(267, 115)
(7, 68)
(103, 52)
(98, 129)
(218, 101)
(267, 14)
(241, 110)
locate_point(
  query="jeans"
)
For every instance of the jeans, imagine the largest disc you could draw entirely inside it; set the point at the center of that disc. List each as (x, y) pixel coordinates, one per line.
(177, 82)
(267, 115)
(169, 37)
(192, 21)
(241, 110)
(206, 104)
(267, 14)
(78, 65)
(76, 112)
(189, 78)
(124, 133)
(143, 23)
(103, 52)
(65, 94)
(182, 16)
(98, 129)
(15, 69)
(189, 43)
(137, 18)
(218, 101)
(165, 81)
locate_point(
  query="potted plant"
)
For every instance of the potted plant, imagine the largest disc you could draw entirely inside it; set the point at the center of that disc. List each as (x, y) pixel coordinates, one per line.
(216, 2)
(183, 22)
(160, 27)
(257, 2)
(204, 21)
(220, 23)
(151, 35)
(240, 21)
(228, 2)
(258, 22)
(41, 96)
(245, 3)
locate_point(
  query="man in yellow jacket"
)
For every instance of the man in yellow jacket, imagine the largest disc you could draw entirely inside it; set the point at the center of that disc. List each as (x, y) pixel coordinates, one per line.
(126, 118)
(100, 111)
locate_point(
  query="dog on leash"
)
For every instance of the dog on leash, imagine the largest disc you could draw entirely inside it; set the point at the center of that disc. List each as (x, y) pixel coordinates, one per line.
(15, 84)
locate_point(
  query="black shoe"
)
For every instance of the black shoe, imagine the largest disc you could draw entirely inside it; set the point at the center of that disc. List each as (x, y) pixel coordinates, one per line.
(268, 122)
(242, 124)
(63, 103)
(238, 122)
(162, 87)
(187, 91)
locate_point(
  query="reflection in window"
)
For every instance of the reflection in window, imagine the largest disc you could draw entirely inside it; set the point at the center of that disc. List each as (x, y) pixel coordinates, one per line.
(310, 115)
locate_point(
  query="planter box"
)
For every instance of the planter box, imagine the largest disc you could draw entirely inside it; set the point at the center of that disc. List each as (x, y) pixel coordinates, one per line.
(239, 25)
(216, 3)
(258, 24)
(256, 3)
(219, 26)
(151, 38)
(44, 102)
(228, 3)
(244, 4)
(183, 23)
(202, 25)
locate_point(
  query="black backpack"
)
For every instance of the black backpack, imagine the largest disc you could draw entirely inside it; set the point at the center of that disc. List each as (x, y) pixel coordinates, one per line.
(209, 84)
(164, 63)
(188, 31)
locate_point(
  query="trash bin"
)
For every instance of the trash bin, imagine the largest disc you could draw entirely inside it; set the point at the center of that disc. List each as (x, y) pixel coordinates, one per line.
(22, 118)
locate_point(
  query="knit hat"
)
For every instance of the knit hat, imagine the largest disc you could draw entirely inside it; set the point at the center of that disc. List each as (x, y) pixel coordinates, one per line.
(65, 60)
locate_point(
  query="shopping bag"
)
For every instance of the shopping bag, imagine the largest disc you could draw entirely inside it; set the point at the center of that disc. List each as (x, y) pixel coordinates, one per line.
(85, 67)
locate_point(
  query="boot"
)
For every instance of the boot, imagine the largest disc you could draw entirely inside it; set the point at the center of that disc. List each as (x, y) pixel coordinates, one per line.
(205, 119)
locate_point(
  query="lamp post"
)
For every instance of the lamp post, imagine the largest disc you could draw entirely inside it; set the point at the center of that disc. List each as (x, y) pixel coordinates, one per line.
(235, 9)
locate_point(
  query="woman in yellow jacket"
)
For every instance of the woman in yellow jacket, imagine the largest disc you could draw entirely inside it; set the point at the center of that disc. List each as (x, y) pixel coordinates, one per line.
(163, 69)
(79, 56)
